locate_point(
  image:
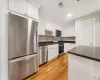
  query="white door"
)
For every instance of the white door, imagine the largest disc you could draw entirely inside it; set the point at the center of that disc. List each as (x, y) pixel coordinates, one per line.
(18, 6)
(85, 33)
(32, 10)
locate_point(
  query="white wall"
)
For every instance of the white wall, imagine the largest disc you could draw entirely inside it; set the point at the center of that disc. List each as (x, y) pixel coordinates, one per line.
(69, 30)
(3, 41)
(47, 25)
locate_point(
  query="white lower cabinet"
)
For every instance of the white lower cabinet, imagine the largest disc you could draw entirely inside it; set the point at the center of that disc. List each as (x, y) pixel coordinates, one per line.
(68, 46)
(52, 51)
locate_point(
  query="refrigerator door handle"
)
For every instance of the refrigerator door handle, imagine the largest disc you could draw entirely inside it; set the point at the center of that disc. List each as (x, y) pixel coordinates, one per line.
(30, 57)
(22, 58)
(16, 60)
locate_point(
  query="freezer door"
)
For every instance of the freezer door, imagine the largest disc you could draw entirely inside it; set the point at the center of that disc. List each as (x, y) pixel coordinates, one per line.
(17, 36)
(23, 67)
(32, 36)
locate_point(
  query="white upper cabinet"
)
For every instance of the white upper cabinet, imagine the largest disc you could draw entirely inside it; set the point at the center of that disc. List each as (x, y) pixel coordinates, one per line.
(41, 29)
(17, 6)
(41, 26)
(23, 7)
(32, 10)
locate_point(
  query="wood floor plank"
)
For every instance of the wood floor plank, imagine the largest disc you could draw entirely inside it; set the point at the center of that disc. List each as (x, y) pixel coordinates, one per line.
(56, 69)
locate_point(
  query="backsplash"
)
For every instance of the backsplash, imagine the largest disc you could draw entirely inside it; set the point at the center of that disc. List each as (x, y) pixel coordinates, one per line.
(41, 38)
(68, 38)
(49, 38)
(54, 38)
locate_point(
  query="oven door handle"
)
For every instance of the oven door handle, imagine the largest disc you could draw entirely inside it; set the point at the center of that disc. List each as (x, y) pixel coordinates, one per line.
(61, 45)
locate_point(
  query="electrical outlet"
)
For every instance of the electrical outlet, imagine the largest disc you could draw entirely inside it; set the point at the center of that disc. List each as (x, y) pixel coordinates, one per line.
(96, 76)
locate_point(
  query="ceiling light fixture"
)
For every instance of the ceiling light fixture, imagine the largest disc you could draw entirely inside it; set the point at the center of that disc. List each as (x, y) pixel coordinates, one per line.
(60, 4)
(69, 15)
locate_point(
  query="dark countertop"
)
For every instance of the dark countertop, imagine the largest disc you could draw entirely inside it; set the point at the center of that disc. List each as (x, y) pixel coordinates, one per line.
(68, 41)
(88, 52)
(44, 43)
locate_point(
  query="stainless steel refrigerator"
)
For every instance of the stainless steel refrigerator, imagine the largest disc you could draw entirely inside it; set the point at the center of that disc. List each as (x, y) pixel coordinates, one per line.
(22, 47)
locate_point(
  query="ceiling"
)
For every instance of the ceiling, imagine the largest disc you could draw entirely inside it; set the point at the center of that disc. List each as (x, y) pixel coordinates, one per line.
(50, 10)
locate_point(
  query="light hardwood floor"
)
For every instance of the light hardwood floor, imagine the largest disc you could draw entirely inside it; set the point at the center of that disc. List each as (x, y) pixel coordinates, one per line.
(56, 69)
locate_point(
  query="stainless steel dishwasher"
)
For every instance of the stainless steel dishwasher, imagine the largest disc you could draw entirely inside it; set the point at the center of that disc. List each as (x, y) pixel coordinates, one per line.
(43, 55)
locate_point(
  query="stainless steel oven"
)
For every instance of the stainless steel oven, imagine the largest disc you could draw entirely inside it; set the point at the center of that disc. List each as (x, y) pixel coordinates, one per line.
(61, 47)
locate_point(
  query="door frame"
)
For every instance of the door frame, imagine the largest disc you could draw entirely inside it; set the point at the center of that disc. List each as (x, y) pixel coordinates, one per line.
(93, 30)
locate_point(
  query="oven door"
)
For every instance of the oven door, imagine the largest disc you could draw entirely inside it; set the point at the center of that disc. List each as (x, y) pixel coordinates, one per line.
(61, 48)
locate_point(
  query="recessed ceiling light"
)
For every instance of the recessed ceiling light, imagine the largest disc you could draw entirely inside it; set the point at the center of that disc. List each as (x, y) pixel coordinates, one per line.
(69, 15)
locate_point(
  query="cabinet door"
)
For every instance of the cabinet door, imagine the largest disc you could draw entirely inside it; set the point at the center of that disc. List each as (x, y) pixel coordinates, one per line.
(55, 51)
(18, 6)
(41, 26)
(71, 45)
(68, 46)
(41, 30)
(32, 10)
(50, 51)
